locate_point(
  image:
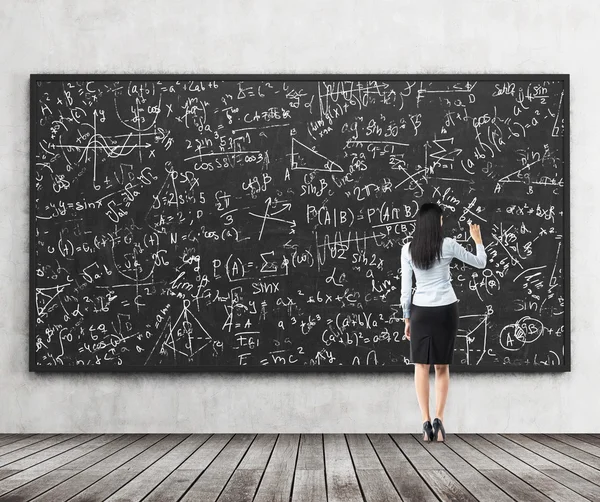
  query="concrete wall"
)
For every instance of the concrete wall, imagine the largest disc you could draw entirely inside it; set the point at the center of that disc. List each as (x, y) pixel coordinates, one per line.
(271, 36)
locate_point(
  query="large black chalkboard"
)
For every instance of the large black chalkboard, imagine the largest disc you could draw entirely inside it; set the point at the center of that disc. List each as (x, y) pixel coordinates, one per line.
(195, 223)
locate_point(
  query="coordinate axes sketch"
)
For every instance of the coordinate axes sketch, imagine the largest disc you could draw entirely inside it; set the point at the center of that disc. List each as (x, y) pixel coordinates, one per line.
(239, 223)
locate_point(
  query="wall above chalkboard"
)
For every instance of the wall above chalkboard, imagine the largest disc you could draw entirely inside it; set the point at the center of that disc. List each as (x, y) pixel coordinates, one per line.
(254, 222)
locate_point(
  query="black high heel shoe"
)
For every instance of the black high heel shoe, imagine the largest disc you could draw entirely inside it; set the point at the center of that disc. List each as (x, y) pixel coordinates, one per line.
(427, 431)
(438, 426)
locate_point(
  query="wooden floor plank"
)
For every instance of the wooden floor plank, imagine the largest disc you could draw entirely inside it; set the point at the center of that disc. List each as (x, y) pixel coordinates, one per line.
(309, 486)
(342, 483)
(30, 474)
(309, 477)
(582, 486)
(470, 454)
(212, 481)
(376, 486)
(475, 482)
(529, 457)
(496, 473)
(362, 452)
(83, 479)
(178, 482)
(46, 482)
(567, 449)
(588, 438)
(242, 485)
(536, 479)
(28, 442)
(149, 479)
(119, 477)
(372, 476)
(259, 452)
(548, 467)
(51, 456)
(405, 478)
(514, 486)
(29, 455)
(577, 443)
(441, 482)
(446, 486)
(277, 480)
(415, 453)
(310, 452)
(12, 438)
(570, 463)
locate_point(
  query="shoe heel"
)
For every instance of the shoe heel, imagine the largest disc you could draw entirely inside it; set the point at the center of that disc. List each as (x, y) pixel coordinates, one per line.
(438, 427)
(427, 432)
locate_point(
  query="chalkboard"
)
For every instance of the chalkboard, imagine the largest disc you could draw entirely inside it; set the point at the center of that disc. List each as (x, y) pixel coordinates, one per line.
(254, 223)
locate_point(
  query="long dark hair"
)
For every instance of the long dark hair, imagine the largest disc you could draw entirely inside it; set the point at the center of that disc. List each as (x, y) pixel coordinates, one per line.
(426, 245)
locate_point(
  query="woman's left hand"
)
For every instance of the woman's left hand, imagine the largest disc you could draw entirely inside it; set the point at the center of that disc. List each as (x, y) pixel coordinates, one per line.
(407, 328)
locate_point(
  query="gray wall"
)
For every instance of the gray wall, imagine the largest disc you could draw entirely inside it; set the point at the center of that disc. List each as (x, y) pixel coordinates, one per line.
(242, 36)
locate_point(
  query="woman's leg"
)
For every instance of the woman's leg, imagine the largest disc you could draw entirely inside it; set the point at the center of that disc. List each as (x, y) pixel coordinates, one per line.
(422, 387)
(442, 379)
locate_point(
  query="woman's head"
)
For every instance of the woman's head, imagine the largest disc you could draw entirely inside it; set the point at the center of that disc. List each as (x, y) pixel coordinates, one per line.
(426, 245)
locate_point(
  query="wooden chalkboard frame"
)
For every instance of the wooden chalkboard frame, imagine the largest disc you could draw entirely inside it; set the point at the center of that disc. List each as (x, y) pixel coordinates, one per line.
(565, 78)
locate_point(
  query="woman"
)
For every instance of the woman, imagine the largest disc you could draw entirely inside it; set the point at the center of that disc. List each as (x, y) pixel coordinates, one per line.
(431, 318)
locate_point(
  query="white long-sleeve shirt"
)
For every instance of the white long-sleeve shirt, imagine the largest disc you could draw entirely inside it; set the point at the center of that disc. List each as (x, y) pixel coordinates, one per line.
(434, 286)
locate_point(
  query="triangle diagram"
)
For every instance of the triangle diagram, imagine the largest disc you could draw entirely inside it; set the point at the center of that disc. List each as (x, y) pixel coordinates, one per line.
(43, 299)
(187, 336)
(508, 177)
(304, 157)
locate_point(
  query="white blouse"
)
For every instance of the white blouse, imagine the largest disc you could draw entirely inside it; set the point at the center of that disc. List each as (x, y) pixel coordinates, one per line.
(434, 286)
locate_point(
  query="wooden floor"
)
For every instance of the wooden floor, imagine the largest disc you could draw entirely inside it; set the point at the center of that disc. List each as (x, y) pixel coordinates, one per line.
(299, 467)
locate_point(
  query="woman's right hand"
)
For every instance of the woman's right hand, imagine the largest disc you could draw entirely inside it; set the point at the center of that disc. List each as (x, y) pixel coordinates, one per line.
(475, 233)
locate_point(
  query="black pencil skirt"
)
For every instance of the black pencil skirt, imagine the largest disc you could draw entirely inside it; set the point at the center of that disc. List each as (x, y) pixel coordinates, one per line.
(432, 333)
